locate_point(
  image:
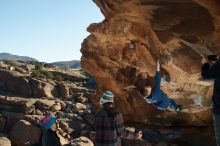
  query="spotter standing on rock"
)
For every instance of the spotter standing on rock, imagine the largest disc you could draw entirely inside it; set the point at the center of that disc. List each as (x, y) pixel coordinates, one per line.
(109, 124)
(211, 70)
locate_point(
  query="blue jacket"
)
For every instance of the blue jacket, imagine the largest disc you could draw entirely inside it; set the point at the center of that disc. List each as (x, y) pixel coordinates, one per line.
(213, 73)
(158, 98)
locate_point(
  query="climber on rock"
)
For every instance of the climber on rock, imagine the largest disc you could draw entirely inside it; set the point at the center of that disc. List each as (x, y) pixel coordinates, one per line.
(155, 96)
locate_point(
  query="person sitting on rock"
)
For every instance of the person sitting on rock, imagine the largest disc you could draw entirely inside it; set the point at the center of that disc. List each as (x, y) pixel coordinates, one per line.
(49, 137)
(157, 97)
(109, 124)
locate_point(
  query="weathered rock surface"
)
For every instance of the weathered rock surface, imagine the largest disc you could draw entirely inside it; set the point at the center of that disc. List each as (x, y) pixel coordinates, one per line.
(82, 141)
(24, 133)
(43, 89)
(4, 141)
(21, 83)
(123, 49)
(64, 90)
(15, 82)
(12, 118)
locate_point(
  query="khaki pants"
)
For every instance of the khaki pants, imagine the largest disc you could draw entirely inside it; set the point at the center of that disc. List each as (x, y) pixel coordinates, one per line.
(216, 118)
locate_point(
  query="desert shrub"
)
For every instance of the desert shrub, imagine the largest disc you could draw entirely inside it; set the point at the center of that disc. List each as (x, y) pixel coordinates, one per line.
(36, 74)
(48, 74)
(59, 78)
(38, 66)
(11, 63)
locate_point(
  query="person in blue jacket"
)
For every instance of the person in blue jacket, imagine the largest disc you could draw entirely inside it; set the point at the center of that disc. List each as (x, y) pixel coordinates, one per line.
(157, 97)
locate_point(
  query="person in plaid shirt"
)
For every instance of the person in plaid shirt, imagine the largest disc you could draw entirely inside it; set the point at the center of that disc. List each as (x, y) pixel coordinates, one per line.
(109, 124)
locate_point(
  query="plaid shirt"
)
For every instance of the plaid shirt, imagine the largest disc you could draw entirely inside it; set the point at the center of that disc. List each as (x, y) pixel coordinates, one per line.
(109, 127)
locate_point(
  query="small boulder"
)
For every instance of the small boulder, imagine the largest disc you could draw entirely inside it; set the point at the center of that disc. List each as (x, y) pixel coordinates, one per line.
(56, 106)
(24, 133)
(4, 141)
(80, 106)
(82, 141)
(82, 99)
(44, 103)
(63, 90)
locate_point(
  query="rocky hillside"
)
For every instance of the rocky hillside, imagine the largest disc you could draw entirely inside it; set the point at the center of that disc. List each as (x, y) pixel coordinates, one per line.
(30, 90)
(7, 56)
(71, 64)
(123, 49)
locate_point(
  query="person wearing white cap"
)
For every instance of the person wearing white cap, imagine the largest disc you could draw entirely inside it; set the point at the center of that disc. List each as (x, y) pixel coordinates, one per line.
(109, 124)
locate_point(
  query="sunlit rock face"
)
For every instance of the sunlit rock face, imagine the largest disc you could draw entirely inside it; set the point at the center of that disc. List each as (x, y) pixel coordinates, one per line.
(123, 49)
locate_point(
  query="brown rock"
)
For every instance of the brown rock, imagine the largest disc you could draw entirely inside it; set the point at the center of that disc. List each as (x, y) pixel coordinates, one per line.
(4, 141)
(24, 134)
(69, 106)
(16, 104)
(80, 106)
(18, 83)
(63, 105)
(63, 141)
(15, 82)
(147, 30)
(82, 99)
(82, 141)
(63, 90)
(12, 118)
(44, 103)
(43, 89)
(56, 107)
(32, 118)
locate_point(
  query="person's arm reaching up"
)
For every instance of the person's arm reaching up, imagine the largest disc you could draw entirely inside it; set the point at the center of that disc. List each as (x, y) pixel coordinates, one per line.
(158, 77)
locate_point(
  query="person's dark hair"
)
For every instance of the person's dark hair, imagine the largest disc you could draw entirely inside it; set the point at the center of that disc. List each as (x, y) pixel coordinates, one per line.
(142, 90)
(146, 83)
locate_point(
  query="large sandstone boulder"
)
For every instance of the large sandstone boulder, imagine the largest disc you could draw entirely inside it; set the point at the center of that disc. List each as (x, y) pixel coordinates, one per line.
(63, 90)
(15, 82)
(12, 118)
(43, 89)
(24, 133)
(123, 49)
(15, 104)
(20, 84)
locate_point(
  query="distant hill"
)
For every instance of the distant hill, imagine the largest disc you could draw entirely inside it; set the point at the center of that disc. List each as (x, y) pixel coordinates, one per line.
(71, 64)
(7, 56)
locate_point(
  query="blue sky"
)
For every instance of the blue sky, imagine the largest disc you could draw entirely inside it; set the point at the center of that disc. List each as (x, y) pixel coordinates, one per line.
(48, 30)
